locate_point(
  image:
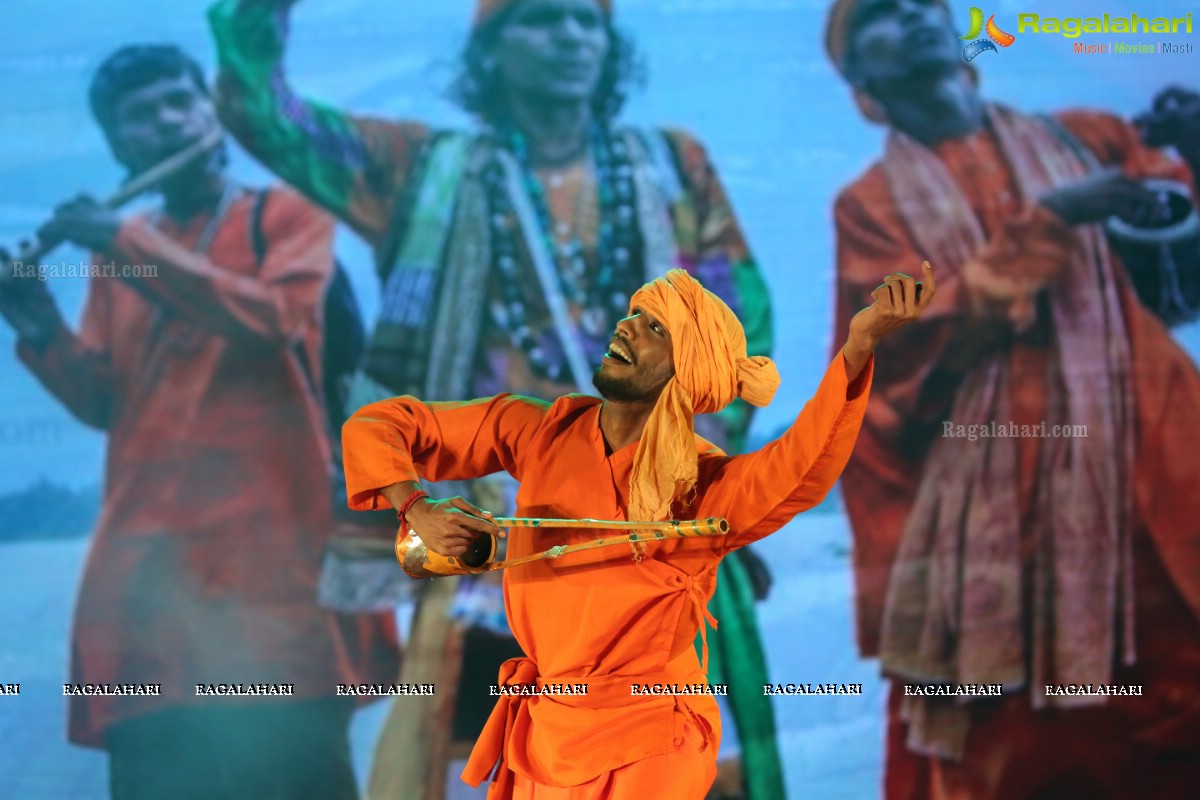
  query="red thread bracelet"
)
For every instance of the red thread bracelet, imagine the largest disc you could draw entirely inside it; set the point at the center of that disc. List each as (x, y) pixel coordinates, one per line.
(408, 504)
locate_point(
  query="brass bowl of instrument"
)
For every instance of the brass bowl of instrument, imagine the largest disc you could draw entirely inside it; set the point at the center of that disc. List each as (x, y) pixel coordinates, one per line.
(421, 562)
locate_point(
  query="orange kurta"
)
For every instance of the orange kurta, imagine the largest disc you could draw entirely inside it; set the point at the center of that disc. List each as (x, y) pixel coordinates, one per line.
(597, 617)
(204, 563)
(913, 394)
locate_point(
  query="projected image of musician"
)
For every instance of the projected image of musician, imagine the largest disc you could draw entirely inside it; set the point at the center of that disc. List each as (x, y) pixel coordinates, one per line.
(203, 567)
(1064, 553)
(506, 255)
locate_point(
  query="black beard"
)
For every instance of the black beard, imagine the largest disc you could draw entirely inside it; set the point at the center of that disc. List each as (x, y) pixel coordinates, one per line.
(622, 390)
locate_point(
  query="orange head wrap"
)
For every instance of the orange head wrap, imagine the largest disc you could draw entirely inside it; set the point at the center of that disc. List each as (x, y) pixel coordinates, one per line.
(837, 45)
(837, 32)
(484, 9)
(711, 370)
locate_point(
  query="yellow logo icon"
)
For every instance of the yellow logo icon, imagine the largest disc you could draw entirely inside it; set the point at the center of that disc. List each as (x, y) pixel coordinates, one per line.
(977, 26)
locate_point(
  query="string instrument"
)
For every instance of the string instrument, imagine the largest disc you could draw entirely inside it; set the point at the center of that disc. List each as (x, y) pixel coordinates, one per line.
(421, 562)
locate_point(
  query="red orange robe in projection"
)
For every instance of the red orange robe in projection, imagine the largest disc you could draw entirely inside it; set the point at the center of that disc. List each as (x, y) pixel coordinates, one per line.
(597, 617)
(205, 559)
(1130, 744)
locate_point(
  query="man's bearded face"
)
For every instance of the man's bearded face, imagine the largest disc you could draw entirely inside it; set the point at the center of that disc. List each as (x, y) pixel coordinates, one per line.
(639, 361)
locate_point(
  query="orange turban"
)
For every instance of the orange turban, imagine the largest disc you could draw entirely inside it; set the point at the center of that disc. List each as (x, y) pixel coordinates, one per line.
(486, 8)
(837, 32)
(837, 45)
(711, 370)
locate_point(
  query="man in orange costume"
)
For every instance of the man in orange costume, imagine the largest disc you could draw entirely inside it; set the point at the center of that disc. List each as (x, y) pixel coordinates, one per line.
(611, 618)
(1035, 560)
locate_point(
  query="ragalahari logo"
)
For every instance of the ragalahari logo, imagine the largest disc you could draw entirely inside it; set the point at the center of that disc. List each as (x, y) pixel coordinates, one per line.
(997, 36)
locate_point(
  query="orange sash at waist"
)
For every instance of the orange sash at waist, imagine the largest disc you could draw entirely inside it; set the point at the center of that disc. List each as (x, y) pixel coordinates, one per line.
(605, 693)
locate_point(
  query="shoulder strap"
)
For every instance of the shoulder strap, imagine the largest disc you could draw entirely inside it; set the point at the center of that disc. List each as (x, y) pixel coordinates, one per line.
(436, 156)
(1081, 151)
(258, 241)
(661, 151)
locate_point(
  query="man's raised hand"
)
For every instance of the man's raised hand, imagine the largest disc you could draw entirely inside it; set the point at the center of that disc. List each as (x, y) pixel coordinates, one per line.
(899, 300)
(83, 221)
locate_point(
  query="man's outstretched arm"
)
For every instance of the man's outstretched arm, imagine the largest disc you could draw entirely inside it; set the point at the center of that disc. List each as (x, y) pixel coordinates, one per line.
(760, 492)
(352, 166)
(389, 446)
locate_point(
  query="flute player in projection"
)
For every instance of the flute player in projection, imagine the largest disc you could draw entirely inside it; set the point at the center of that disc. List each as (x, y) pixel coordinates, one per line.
(203, 567)
(627, 615)
(506, 254)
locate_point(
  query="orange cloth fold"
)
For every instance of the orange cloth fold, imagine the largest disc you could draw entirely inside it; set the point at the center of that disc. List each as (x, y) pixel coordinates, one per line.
(489, 757)
(837, 32)
(688, 770)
